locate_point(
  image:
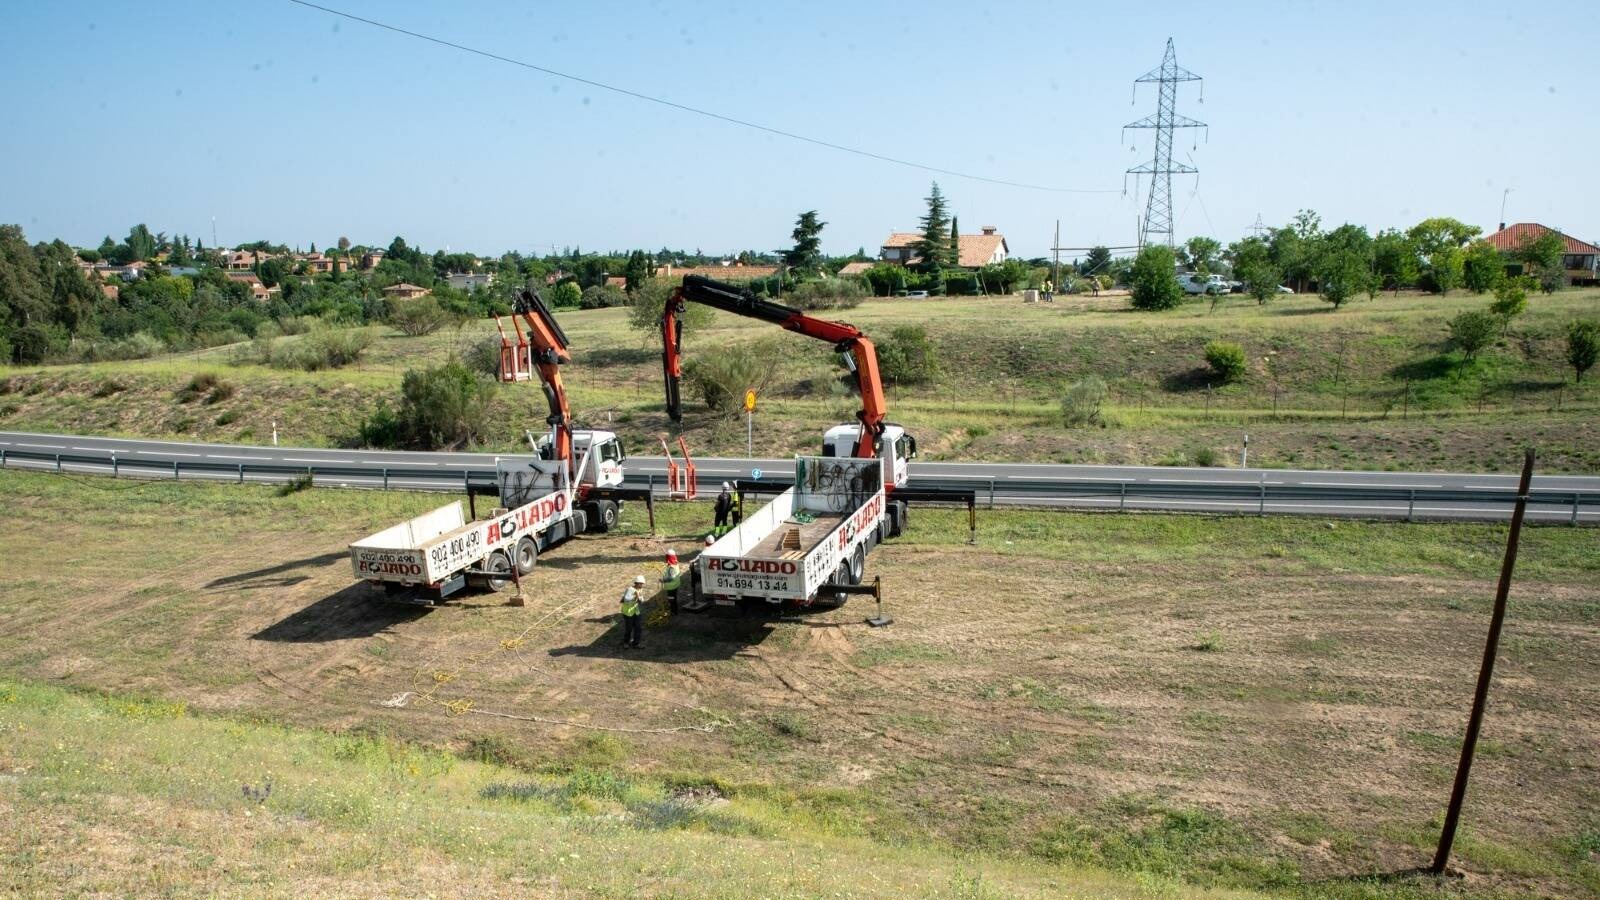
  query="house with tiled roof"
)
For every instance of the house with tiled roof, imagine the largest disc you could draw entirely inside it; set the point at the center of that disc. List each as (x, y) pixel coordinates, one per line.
(1580, 259)
(259, 291)
(734, 271)
(977, 250)
(855, 268)
(405, 291)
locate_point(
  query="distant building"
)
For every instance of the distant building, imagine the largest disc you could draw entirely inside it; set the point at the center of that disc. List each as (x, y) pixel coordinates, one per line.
(1580, 259)
(855, 268)
(985, 248)
(620, 282)
(468, 281)
(371, 258)
(404, 291)
(240, 260)
(730, 271)
(316, 263)
(259, 291)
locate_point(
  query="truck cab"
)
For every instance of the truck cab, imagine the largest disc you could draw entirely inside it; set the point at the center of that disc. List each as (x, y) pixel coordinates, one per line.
(599, 453)
(896, 450)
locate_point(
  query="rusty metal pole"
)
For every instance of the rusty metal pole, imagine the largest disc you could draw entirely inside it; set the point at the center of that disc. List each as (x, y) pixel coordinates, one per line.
(1480, 698)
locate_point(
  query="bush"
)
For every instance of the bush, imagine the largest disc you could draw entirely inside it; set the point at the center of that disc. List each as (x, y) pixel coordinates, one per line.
(1081, 405)
(1583, 345)
(140, 345)
(1206, 457)
(830, 293)
(107, 387)
(294, 324)
(885, 279)
(482, 356)
(721, 378)
(906, 356)
(566, 295)
(601, 296)
(440, 408)
(324, 348)
(1471, 331)
(206, 384)
(417, 317)
(651, 298)
(1226, 360)
(1155, 282)
(1511, 299)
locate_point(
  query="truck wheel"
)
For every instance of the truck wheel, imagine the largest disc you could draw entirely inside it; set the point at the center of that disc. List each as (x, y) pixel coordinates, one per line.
(858, 565)
(527, 555)
(500, 564)
(607, 519)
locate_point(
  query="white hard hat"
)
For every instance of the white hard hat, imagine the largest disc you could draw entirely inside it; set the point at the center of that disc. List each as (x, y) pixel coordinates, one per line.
(638, 579)
(727, 485)
(710, 539)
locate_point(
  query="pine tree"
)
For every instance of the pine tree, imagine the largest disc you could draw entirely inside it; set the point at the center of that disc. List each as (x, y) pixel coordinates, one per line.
(955, 241)
(806, 255)
(935, 232)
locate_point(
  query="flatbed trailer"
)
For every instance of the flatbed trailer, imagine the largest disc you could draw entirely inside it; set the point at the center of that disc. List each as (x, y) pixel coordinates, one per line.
(789, 552)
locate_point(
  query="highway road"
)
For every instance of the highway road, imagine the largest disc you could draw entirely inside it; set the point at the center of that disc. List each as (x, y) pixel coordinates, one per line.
(1421, 495)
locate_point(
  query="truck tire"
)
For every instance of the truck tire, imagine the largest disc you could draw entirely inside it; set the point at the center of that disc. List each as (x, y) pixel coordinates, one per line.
(897, 518)
(499, 563)
(607, 519)
(527, 555)
(858, 564)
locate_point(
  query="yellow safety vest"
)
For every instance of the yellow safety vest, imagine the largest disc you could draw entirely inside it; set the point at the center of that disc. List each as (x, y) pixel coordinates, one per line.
(630, 602)
(669, 580)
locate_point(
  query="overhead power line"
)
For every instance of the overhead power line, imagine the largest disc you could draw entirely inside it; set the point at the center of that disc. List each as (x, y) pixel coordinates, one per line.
(683, 107)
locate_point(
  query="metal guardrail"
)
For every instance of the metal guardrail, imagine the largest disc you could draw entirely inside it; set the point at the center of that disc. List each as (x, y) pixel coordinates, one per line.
(1015, 491)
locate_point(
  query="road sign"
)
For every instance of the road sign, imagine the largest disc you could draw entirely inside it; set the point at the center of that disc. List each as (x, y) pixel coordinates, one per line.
(749, 401)
(755, 474)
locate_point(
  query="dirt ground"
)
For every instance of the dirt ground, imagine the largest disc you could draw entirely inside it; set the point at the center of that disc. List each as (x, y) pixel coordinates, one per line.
(1028, 698)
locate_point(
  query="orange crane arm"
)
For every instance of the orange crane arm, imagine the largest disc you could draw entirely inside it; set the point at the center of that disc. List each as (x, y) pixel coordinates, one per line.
(549, 344)
(846, 338)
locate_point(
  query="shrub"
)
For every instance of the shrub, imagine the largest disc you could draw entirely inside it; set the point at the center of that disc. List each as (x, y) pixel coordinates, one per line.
(323, 348)
(107, 387)
(649, 301)
(417, 317)
(1583, 346)
(482, 356)
(885, 279)
(829, 293)
(1207, 457)
(440, 408)
(907, 356)
(566, 295)
(294, 324)
(1081, 405)
(139, 345)
(1471, 331)
(1226, 360)
(721, 378)
(1510, 299)
(228, 418)
(1155, 282)
(601, 296)
(201, 385)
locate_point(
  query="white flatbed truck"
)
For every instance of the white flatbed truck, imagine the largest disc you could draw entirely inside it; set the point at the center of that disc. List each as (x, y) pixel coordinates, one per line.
(792, 550)
(438, 553)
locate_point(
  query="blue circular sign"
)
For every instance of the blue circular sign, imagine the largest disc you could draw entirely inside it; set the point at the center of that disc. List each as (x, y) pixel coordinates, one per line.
(755, 474)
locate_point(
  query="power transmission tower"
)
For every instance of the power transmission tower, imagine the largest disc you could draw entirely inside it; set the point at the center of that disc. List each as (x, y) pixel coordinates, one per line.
(1260, 228)
(1157, 222)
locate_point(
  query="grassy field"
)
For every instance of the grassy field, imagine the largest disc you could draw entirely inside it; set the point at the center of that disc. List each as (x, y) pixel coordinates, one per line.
(1370, 386)
(1107, 705)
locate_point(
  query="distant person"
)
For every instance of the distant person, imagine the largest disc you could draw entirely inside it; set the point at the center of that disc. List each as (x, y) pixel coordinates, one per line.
(724, 508)
(633, 613)
(1049, 291)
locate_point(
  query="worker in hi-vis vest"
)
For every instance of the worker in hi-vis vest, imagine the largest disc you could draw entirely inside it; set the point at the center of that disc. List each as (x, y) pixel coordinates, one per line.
(632, 613)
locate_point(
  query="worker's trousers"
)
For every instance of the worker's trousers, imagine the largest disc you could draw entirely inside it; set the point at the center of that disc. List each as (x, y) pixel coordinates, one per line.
(632, 629)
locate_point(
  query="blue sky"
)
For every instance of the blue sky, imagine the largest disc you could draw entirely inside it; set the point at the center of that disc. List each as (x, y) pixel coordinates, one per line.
(289, 124)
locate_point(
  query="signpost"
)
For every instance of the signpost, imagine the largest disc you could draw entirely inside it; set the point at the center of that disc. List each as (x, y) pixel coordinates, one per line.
(749, 423)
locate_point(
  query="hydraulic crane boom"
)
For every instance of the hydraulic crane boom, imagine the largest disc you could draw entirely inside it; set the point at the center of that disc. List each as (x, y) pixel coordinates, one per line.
(548, 345)
(860, 356)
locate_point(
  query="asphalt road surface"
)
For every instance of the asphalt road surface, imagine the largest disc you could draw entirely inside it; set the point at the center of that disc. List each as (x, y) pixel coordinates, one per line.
(1327, 493)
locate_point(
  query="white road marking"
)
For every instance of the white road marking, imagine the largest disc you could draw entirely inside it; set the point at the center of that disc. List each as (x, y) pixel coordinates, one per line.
(226, 456)
(162, 453)
(1369, 484)
(44, 446)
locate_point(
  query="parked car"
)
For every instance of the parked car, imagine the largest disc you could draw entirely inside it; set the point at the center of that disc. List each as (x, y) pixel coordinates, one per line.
(1284, 289)
(1202, 284)
(916, 294)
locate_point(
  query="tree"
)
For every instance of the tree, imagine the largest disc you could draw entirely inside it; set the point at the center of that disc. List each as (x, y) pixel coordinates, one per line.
(1583, 346)
(417, 317)
(566, 295)
(1394, 260)
(141, 243)
(1226, 360)
(955, 241)
(1296, 248)
(637, 271)
(935, 226)
(650, 300)
(1252, 264)
(1471, 331)
(1511, 299)
(1155, 282)
(1445, 268)
(1539, 253)
(1202, 254)
(1096, 262)
(1482, 267)
(344, 244)
(806, 254)
(444, 407)
(1344, 267)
